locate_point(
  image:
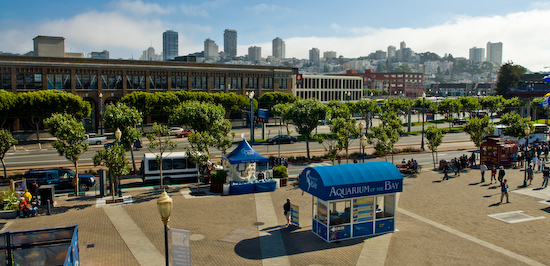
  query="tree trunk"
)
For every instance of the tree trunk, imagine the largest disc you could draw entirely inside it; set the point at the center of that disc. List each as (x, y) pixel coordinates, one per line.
(133, 159)
(160, 170)
(307, 145)
(198, 180)
(433, 159)
(76, 177)
(4, 166)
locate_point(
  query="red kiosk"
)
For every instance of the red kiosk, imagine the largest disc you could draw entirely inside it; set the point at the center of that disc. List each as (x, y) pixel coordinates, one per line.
(496, 151)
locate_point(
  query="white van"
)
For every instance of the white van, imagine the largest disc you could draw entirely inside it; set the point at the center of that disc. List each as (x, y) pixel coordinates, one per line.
(174, 166)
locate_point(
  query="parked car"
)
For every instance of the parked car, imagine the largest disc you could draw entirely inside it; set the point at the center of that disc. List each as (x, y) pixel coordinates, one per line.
(282, 139)
(110, 144)
(459, 121)
(138, 144)
(95, 139)
(175, 130)
(185, 133)
(60, 178)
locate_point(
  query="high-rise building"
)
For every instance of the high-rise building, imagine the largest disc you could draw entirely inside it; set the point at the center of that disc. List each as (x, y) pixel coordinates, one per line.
(477, 55)
(278, 48)
(314, 55)
(392, 51)
(169, 45)
(402, 45)
(254, 53)
(329, 54)
(149, 55)
(494, 53)
(210, 49)
(230, 43)
(49, 46)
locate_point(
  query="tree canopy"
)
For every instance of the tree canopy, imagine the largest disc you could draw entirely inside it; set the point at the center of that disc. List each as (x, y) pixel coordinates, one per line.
(509, 76)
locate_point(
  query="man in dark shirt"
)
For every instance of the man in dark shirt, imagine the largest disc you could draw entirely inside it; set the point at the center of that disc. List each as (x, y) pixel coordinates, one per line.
(504, 191)
(286, 208)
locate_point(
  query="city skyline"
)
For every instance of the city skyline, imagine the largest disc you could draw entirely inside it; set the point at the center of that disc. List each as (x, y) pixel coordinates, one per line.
(126, 28)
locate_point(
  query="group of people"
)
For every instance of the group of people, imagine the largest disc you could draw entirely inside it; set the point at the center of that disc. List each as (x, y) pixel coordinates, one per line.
(28, 202)
(457, 164)
(411, 164)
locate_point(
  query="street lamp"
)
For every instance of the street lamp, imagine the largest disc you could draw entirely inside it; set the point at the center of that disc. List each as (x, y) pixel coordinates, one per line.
(527, 131)
(363, 144)
(118, 135)
(423, 115)
(360, 129)
(251, 97)
(101, 114)
(164, 204)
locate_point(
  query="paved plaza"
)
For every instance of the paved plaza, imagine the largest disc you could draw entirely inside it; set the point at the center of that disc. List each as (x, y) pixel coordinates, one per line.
(452, 222)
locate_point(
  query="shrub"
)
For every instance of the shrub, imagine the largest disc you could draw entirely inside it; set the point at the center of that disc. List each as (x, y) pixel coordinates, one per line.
(10, 200)
(218, 176)
(280, 172)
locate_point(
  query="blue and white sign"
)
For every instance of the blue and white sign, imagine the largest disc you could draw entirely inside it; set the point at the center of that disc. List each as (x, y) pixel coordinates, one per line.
(181, 249)
(337, 182)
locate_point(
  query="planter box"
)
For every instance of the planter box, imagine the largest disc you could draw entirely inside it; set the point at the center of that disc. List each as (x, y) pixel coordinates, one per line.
(9, 214)
(216, 188)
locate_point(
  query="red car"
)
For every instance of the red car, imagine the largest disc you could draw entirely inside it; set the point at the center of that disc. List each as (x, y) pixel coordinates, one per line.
(185, 133)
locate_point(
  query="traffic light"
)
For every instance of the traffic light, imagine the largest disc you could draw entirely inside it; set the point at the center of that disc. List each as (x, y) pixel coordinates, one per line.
(298, 79)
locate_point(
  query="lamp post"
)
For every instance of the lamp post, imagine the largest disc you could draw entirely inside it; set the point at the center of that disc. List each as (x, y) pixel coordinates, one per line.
(527, 131)
(164, 204)
(423, 115)
(363, 144)
(251, 97)
(118, 135)
(101, 113)
(360, 130)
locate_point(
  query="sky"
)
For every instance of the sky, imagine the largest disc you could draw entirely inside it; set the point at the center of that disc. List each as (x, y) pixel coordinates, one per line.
(352, 29)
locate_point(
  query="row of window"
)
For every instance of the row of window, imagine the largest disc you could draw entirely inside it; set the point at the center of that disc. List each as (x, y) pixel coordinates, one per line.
(31, 81)
(327, 96)
(330, 83)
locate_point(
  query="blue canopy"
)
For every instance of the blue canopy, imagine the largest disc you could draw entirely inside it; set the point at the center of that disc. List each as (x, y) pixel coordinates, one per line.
(244, 154)
(351, 180)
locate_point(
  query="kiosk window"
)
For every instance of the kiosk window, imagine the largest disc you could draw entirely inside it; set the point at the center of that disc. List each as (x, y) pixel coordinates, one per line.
(385, 206)
(321, 211)
(340, 212)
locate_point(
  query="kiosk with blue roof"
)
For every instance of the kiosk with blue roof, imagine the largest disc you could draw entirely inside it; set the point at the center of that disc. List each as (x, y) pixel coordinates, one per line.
(352, 200)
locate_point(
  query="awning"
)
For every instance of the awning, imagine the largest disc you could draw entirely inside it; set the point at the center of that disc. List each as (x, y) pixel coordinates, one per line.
(244, 154)
(351, 180)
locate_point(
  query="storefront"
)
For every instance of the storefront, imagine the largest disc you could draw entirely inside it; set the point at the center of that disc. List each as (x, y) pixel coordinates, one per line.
(352, 200)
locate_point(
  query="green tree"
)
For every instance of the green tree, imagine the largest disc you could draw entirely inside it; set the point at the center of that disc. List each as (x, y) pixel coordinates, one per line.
(515, 124)
(329, 142)
(448, 107)
(160, 145)
(337, 109)
(126, 119)
(69, 134)
(8, 103)
(39, 105)
(434, 137)
(114, 158)
(368, 109)
(270, 99)
(6, 141)
(469, 104)
(345, 129)
(386, 134)
(306, 115)
(478, 128)
(509, 76)
(492, 103)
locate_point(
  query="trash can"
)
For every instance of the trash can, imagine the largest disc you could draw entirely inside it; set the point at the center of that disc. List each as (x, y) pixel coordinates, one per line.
(226, 187)
(442, 164)
(46, 192)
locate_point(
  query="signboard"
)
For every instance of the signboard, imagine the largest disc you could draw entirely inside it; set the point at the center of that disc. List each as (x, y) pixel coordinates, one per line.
(263, 115)
(181, 250)
(337, 228)
(295, 215)
(363, 209)
(429, 116)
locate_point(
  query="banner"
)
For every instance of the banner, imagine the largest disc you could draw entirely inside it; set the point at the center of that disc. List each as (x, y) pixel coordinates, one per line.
(295, 215)
(181, 250)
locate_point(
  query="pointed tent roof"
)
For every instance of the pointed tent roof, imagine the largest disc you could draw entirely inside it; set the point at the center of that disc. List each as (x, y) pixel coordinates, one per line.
(244, 153)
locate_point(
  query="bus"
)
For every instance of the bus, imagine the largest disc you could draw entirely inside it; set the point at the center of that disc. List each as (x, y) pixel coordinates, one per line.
(539, 133)
(176, 165)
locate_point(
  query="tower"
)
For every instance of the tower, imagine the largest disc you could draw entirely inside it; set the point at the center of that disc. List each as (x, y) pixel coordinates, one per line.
(230, 43)
(169, 45)
(314, 55)
(494, 53)
(210, 49)
(278, 48)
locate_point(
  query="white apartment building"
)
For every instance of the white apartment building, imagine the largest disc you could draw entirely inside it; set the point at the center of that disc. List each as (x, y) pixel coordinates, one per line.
(330, 88)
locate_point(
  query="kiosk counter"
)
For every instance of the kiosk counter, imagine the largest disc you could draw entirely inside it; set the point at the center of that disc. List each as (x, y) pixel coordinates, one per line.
(352, 200)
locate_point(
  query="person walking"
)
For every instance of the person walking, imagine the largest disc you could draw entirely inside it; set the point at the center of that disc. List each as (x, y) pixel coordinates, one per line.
(493, 173)
(529, 174)
(482, 169)
(504, 191)
(446, 169)
(545, 176)
(286, 208)
(501, 174)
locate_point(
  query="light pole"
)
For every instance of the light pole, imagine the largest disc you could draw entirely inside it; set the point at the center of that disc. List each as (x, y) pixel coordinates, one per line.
(360, 130)
(251, 97)
(164, 204)
(363, 144)
(527, 131)
(118, 135)
(101, 113)
(423, 115)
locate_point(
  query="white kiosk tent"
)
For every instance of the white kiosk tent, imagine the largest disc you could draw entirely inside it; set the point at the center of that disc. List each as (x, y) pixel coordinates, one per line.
(352, 200)
(243, 161)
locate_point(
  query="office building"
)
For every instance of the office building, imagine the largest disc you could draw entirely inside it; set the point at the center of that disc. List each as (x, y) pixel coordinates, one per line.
(210, 49)
(169, 45)
(254, 54)
(314, 55)
(329, 55)
(230, 43)
(477, 55)
(392, 52)
(100, 55)
(403, 84)
(49, 46)
(149, 55)
(494, 53)
(278, 46)
(326, 88)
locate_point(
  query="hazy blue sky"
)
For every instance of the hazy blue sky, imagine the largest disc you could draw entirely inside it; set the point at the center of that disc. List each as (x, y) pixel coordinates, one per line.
(351, 28)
